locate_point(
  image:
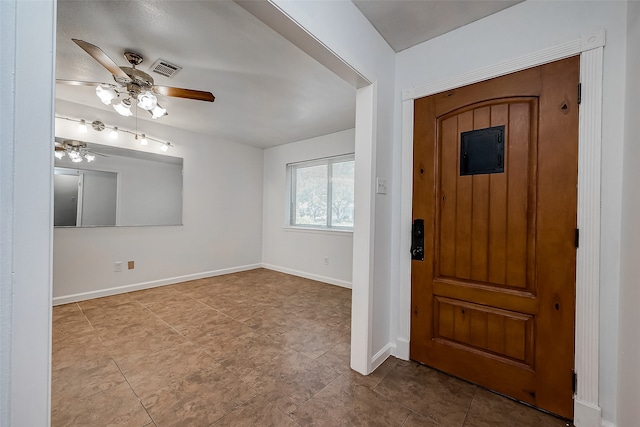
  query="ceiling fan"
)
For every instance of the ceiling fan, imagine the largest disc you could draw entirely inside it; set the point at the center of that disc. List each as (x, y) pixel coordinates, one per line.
(77, 151)
(132, 84)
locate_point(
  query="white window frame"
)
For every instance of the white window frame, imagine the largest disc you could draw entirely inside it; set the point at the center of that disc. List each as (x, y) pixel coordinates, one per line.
(291, 193)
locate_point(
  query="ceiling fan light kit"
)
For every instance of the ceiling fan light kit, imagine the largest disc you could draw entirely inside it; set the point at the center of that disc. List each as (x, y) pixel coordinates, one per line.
(123, 108)
(77, 151)
(147, 101)
(134, 83)
(106, 94)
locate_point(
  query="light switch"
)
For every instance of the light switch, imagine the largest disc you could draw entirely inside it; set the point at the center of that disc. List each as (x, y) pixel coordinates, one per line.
(381, 185)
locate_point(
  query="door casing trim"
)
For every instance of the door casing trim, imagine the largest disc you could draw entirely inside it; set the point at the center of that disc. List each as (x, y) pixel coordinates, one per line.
(590, 48)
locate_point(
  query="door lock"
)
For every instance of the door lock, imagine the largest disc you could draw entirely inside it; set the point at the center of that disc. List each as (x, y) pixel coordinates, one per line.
(417, 240)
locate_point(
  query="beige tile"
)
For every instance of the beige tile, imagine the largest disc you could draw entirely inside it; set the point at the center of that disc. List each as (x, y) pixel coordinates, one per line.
(291, 374)
(116, 406)
(344, 403)
(215, 334)
(63, 310)
(261, 411)
(84, 378)
(373, 379)
(154, 295)
(200, 399)
(338, 358)
(69, 326)
(491, 410)
(142, 342)
(241, 355)
(105, 302)
(72, 349)
(150, 373)
(309, 338)
(416, 420)
(189, 321)
(430, 393)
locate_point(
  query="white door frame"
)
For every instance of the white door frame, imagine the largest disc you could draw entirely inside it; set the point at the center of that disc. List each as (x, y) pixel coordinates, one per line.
(590, 48)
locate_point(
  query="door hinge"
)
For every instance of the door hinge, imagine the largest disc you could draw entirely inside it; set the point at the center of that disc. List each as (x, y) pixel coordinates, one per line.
(577, 238)
(574, 382)
(579, 93)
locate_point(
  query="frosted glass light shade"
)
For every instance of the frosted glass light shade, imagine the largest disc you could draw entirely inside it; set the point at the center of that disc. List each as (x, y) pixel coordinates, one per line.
(147, 101)
(106, 94)
(123, 108)
(158, 112)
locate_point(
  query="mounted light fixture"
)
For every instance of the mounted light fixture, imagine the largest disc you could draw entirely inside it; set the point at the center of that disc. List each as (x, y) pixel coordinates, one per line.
(123, 108)
(99, 126)
(77, 151)
(147, 101)
(158, 112)
(82, 126)
(134, 83)
(106, 94)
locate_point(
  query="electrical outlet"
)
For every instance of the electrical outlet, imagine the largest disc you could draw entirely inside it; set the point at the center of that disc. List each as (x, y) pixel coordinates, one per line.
(326, 260)
(130, 265)
(381, 185)
(117, 266)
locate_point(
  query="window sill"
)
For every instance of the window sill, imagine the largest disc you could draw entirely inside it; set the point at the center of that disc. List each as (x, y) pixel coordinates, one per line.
(337, 232)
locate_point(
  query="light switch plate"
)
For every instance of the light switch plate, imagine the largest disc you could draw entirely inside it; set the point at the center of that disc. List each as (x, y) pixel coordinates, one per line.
(381, 185)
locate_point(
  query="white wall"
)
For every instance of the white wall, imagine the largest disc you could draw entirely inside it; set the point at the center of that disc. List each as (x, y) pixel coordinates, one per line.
(343, 29)
(296, 251)
(222, 217)
(629, 338)
(27, 47)
(524, 28)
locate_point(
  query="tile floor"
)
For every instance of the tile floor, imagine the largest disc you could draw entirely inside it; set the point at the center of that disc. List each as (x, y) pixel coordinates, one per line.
(257, 348)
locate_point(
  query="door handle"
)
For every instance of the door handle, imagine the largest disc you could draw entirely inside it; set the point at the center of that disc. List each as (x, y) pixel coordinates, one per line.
(417, 240)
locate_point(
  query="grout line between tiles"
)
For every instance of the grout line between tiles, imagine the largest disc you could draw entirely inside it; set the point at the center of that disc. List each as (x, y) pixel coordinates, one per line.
(475, 392)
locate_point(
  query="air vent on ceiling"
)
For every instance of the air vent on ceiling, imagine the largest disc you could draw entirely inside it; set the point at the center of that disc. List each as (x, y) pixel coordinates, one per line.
(165, 68)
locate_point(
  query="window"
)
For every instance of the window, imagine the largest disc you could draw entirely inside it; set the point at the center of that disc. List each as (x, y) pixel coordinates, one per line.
(321, 193)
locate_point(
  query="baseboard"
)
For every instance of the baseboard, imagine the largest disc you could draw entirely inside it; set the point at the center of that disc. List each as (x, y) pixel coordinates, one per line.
(586, 414)
(316, 277)
(66, 299)
(379, 358)
(401, 349)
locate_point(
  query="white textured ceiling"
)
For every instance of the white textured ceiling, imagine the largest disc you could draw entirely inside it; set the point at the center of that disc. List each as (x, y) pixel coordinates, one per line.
(268, 92)
(406, 23)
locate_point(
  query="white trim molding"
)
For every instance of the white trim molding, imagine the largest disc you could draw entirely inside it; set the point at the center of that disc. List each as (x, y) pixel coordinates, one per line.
(590, 47)
(311, 276)
(66, 299)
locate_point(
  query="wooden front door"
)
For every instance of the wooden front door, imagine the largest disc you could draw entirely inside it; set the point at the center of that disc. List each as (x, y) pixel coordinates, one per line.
(493, 301)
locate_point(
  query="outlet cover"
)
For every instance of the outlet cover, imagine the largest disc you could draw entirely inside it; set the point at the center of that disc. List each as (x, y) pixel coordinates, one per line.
(130, 265)
(117, 266)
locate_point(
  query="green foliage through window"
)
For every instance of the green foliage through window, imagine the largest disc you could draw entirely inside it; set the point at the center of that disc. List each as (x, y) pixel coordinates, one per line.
(321, 193)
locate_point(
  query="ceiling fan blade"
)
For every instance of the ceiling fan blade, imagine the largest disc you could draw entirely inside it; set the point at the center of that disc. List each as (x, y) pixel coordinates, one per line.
(184, 93)
(101, 57)
(79, 83)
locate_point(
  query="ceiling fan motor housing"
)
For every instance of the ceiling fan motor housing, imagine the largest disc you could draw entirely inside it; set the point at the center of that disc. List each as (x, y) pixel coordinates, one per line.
(138, 81)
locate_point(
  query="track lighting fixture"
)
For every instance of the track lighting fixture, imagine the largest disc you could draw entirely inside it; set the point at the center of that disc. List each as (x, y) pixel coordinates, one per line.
(114, 133)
